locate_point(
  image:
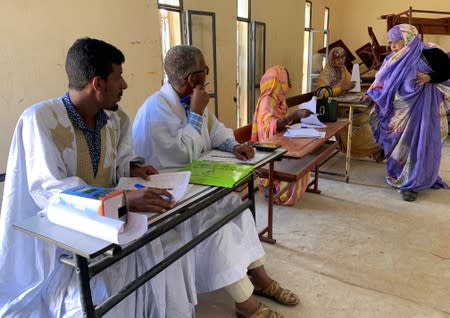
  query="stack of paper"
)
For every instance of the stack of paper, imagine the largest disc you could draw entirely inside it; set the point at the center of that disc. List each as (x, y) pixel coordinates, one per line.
(108, 229)
(304, 133)
(175, 182)
(356, 79)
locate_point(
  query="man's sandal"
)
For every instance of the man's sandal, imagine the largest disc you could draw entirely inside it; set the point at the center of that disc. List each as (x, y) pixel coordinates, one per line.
(281, 295)
(262, 312)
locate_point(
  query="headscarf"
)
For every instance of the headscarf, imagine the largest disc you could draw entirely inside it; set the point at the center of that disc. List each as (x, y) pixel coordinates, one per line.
(334, 71)
(274, 84)
(397, 68)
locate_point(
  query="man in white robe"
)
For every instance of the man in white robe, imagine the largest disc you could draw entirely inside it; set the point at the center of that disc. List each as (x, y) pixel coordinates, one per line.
(82, 137)
(172, 128)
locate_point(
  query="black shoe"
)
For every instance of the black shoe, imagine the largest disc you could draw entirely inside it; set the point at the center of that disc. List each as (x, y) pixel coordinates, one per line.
(409, 196)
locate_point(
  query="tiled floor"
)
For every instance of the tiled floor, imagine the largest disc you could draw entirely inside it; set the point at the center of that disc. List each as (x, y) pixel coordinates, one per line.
(358, 250)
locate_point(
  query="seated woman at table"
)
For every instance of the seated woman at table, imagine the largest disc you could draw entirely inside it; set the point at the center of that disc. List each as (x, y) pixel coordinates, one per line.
(336, 76)
(271, 116)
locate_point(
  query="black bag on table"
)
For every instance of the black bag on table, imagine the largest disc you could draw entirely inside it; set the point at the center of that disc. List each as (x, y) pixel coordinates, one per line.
(327, 109)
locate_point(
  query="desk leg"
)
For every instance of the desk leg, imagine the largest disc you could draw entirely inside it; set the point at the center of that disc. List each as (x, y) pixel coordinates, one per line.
(82, 272)
(251, 196)
(269, 227)
(348, 154)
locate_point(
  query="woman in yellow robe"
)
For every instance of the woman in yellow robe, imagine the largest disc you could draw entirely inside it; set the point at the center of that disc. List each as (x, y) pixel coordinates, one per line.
(336, 76)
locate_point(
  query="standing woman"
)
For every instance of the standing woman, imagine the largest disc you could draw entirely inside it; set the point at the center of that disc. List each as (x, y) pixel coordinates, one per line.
(336, 76)
(411, 93)
(271, 116)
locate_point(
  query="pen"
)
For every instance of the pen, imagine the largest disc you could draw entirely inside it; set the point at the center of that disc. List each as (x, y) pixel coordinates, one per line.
(141, 186)
(222, 156)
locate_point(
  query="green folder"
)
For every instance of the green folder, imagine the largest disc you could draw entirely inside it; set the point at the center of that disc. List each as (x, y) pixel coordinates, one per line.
(219, 174)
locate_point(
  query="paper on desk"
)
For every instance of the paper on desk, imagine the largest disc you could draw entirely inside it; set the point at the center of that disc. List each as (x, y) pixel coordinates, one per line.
(175, 182)
(356, 78)
(304, 133)
(310, 105)
(101, 227)
(223, 156)
(311, 120)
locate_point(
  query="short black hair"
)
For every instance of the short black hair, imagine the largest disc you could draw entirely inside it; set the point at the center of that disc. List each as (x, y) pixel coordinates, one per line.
(88, 58)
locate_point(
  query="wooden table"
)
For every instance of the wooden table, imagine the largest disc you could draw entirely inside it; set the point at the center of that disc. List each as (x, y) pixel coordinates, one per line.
(351, 101)
(297, 148)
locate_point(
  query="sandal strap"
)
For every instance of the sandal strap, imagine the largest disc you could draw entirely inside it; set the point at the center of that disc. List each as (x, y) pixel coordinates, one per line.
(265, 312)
(281, 295)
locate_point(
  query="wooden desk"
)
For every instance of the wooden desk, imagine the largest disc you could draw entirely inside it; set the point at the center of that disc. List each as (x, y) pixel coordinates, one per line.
(298, 148)
(351, 101)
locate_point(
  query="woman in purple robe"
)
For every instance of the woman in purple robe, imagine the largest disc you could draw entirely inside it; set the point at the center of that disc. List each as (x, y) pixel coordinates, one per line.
(411, 93)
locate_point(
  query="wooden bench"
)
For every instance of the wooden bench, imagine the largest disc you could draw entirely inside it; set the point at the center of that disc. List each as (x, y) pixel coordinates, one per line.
(292, 170)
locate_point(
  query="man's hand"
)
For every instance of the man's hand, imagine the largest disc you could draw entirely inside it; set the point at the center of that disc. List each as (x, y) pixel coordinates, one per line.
(150, 200)
(244, 151)
(143, 172)
(422, 78)
(199, 99)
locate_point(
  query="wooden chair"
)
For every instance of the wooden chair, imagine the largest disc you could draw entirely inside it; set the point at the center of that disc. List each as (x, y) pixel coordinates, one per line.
(372, 54)
(243, 133)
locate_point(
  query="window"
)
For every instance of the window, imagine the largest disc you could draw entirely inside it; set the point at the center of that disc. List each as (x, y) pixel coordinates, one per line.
(306, 43)
(170, 24)
(242, 31)
(326, 25)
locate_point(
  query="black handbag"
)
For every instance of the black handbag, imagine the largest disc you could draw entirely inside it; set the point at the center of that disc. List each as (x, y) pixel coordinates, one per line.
(327, 109)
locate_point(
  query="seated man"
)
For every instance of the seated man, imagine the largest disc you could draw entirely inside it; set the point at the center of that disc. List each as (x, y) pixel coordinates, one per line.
(171, 129)
(81, 137)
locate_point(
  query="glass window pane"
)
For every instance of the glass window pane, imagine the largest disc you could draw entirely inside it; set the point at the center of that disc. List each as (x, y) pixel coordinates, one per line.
(242, 9)
(175, 3)
(202, 37)
(307, 14)
(170, 29)
(242, 72)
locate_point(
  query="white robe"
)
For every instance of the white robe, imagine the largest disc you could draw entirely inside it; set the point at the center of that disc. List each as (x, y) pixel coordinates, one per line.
(33, 283)
(163, 137)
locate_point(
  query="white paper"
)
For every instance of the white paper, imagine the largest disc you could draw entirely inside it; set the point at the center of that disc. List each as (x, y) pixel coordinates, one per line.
(356, 78)
(104, 228)
(223, 156)
(304, 133)
(175, 182)
(310, 105)
(311, 120)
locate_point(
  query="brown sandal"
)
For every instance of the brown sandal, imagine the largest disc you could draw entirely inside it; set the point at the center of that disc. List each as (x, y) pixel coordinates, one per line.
(281, 295)
(262, 312)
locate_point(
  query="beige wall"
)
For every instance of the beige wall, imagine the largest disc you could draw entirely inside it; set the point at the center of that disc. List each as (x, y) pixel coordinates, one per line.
(284, 35)
(35, 39)
(36, 36)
